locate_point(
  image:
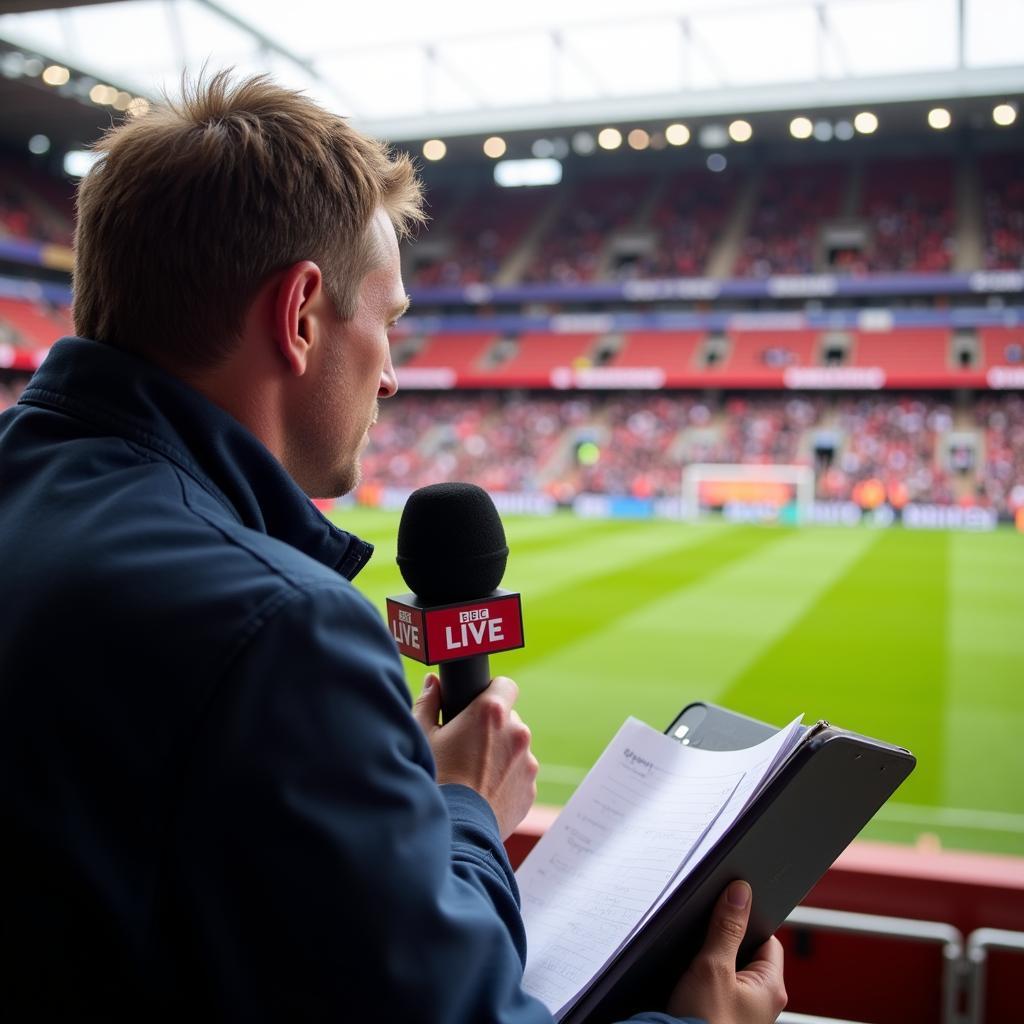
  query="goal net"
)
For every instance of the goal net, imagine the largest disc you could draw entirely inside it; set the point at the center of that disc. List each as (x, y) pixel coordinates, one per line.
(748, 492)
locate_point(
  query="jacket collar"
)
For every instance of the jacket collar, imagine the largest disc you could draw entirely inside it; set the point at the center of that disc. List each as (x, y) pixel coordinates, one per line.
(140, 402)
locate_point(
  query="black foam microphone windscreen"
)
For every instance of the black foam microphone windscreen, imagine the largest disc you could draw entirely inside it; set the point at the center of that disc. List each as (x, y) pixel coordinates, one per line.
(451, 544)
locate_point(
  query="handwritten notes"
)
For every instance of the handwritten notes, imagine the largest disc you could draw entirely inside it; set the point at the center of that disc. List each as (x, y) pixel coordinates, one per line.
(626, 837)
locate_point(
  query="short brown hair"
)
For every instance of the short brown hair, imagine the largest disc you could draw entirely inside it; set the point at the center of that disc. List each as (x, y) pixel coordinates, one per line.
(193, 204)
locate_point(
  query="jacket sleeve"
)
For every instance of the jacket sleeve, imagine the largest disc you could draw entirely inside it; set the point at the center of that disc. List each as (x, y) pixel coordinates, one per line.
(315, 873)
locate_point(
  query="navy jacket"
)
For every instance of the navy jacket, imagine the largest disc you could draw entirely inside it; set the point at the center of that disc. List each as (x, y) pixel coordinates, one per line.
(214, 800)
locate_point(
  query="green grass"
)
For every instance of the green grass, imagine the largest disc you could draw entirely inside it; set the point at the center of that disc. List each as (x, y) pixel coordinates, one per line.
(913, 637)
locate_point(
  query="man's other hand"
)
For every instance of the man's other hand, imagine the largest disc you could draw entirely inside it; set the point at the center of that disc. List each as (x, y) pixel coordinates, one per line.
(713, 989)
(486, 747)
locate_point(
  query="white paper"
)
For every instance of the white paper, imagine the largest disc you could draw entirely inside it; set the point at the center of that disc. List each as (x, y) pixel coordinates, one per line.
(625, 836)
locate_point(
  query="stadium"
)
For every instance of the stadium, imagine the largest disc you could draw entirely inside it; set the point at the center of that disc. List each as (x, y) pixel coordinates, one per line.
(736, 343)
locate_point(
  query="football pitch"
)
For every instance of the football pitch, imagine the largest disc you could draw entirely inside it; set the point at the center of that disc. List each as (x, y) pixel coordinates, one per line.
(913, 637)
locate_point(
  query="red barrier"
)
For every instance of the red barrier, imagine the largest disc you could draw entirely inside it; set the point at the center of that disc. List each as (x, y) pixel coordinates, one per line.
(879, 979)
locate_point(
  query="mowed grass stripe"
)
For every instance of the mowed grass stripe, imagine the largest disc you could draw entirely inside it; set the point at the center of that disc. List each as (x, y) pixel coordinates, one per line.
(983, 766)
(870, 656)
(689, 645)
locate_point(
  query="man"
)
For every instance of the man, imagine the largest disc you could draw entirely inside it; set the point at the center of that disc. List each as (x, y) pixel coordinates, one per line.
(216, 802)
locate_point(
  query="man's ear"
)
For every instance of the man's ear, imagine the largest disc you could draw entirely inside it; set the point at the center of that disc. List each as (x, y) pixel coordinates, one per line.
(297, 302)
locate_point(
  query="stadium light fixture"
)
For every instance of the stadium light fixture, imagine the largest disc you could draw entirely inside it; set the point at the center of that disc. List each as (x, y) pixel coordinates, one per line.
(801, 128)
(583, 143)
(78, 162)
(865, 122)
(32, 68)
(121, 101)
(609, 138)
(137, 107)
(740, 131)
(658, 140)
(434, 149)
(843, 131)
(677, 135)
(103, 95)
(713, 136)
(39, 144)
(638, 139)
(823, 131)
(527, 173)
(56, 74)
(939, 118)
(495, 147)
(543, 149)
(717, 163)
(1004, 114)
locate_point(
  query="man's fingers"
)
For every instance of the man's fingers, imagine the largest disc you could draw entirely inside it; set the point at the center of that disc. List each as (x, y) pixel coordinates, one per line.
(504, 690)
(729, 924)
(770, 956)
(427, 708)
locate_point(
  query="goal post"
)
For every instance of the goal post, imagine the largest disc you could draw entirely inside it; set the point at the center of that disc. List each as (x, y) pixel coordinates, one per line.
(752, 491)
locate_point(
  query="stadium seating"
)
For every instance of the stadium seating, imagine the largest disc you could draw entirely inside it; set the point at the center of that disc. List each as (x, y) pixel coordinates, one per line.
(909, 206)
(760, 355)
(1002, 185)
(688, 220)
(538, 353)
(786, 227)
(510, 440)
(572, 246)
(27, 324)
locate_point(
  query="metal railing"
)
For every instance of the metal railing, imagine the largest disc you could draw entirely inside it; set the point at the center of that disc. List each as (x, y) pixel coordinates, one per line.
(978, 944)
(954, 968)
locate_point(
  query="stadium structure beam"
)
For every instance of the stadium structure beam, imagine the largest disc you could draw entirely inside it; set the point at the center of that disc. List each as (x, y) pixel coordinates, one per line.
(961, 83)
(268, 45)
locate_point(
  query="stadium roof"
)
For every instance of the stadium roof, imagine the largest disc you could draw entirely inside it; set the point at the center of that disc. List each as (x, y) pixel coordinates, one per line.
(406, 70)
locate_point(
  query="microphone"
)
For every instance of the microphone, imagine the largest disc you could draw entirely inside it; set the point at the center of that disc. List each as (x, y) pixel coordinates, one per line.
(452, 555)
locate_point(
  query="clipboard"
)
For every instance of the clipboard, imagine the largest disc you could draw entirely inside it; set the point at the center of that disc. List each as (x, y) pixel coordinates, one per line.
(819, 799)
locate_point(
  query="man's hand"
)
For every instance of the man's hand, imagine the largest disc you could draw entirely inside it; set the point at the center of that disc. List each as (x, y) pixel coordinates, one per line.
(713, 989)
(486, 747)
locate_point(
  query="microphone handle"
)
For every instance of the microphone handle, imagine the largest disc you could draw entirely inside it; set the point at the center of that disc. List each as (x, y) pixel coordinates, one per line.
(461, 681)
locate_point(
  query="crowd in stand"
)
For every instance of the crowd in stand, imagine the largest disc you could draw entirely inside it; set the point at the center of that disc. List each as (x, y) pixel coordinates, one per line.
(868, 449)
(785, 230)
(1003, 210)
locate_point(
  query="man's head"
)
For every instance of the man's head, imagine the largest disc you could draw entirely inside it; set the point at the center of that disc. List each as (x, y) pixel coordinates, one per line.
(194, 205)
(246, 240)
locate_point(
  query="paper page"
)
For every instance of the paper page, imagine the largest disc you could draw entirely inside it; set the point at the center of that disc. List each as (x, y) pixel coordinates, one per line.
(762, 762)
(647, 811)
(617, 843)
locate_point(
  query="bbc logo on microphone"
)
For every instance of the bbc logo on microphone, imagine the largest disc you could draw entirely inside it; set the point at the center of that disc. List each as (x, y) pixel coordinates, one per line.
(439, 633)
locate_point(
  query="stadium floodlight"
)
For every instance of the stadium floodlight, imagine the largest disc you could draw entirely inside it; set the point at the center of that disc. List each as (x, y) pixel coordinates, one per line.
(865, 122)
(801, 128)
(78, 162)
(638, 139)
(583, 143)
(527, 173)
(843, 131)
(56, 74)
(542, 149)
(495, 147)
(121, 101)
(677, 135)
(103, 95)
(939, 118)
(713, 136)
(434, 149)
(137, 107)
(740, 131)
(823, 131)
(1004, 114)
(39, 144)
(717, 163)
(609, 138)
(32, 68)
